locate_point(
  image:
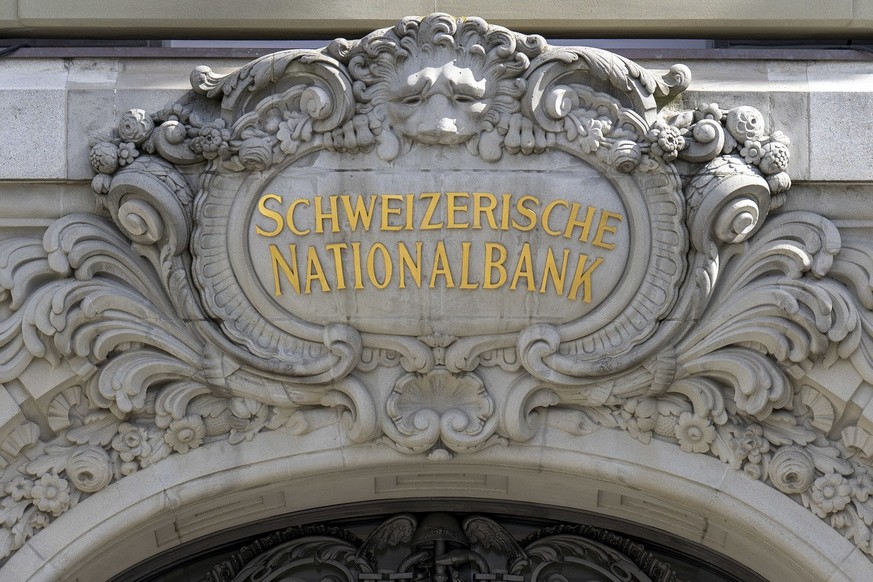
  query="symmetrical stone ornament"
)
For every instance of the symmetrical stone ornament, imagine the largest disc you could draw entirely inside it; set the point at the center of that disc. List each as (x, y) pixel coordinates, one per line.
(433, 235)
(440, 548)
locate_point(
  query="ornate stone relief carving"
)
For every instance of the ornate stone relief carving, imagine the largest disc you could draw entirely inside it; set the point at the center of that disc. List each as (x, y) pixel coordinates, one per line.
(696, 323)
(441, 548)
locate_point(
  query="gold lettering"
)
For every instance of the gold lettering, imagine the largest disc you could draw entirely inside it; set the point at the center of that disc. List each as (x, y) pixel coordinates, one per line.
(406, 262)
(290, 217)
(271, 214)
(434, 198)
(336, 249)
(492, 264)
(465, 267)
(583, 278)
(441, 267)
(388, 211)
(488, 210)
(361, 213)
(528, 213)
(314, 271)
(290, 270)
(332, 215)
(604, 226)
(574, 221)
(524, 260)
(371, 266)
(551, 270)
(547, 211)
(356, 265)
(504, 215)
(454, 208)
(410, 212)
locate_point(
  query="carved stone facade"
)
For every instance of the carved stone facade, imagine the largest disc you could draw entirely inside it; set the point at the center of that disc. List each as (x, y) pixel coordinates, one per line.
(438, 236)
(440, 547)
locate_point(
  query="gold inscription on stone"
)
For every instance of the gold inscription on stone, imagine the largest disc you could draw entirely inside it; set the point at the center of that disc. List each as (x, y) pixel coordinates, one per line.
(305, 266)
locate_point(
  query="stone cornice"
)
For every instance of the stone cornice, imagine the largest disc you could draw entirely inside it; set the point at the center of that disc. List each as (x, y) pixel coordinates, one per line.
(579, 18)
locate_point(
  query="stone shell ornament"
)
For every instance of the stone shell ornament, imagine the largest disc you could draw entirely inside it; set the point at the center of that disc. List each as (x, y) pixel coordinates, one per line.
(718, 306)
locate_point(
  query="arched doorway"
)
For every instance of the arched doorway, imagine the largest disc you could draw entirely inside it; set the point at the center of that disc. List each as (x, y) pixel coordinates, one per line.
(431, 539)
(606, 474)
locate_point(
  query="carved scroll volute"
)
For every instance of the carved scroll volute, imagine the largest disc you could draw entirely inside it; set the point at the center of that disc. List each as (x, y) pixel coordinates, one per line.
(638, 89)
(266, 78)
(728, 203)
(150, 203)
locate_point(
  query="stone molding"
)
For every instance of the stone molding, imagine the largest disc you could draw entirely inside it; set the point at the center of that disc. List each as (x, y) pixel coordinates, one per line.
(580, 18)
(167, 350)
(213, 489)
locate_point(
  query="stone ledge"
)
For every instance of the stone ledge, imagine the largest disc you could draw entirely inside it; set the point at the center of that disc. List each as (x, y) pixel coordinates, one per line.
(273, 19)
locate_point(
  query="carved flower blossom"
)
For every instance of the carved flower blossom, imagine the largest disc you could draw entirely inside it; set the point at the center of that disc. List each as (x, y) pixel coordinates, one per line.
(750, 444)
(211, 140)
(830, 494)
(186, 433)
(711, 111)
(774, 157)
(51, 494)
(751, 152)
(667, 141)
(586, 131)
(19, 488)
(104, 157)
(695, 434)
(641, 415)
(131, 442)
(135, 126)
(296, 128)
(127, 152)
(862, 485)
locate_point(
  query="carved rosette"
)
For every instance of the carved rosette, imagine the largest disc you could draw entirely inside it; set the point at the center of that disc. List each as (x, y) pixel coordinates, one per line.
(718, 308)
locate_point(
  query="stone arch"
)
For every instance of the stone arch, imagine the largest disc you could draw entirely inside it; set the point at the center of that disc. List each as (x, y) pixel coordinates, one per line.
(131, 353)
(212, 489)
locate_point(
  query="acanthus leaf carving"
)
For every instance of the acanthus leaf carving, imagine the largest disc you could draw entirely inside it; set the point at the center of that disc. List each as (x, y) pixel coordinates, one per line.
(731, 300)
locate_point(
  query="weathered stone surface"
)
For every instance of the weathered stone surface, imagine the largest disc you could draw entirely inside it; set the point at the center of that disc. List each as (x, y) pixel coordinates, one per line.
(33, 90)
(707, 315)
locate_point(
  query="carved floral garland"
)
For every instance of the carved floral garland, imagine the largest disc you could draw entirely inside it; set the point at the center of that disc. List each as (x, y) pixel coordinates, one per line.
(771, 296)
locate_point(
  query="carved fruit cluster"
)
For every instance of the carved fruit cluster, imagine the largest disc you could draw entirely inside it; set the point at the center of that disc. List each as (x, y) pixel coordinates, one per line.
(710, 131)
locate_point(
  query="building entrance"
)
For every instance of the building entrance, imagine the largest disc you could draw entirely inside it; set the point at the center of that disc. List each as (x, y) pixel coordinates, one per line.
(437, 540)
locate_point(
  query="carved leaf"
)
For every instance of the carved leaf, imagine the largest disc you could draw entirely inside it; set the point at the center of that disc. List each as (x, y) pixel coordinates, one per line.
(492, 536)
(827, 460)
(395, 530)
(99, 429)
(53, 461)
(11, 512)
(782, 428)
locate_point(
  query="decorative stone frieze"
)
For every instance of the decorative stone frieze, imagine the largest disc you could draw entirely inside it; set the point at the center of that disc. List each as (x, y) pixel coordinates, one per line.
(440, 235)
(441, 547)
